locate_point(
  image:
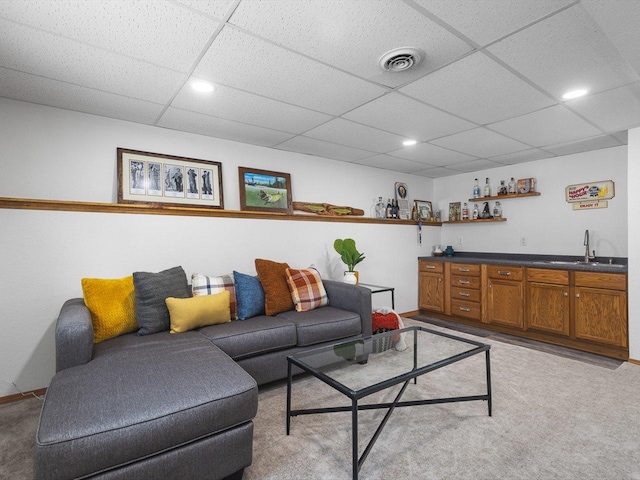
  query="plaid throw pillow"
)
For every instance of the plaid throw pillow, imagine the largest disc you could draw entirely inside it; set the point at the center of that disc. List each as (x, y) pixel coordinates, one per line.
(307, 290)
(205, 285)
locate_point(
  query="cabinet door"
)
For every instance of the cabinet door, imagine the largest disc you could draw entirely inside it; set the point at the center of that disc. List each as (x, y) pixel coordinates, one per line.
(548, 308)
(505, 303)
(431, 295)
(601, 316)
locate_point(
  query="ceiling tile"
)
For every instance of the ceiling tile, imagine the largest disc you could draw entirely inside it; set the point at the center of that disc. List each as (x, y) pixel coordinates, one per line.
(388, 162)
(613, 110)
(475, 165)
(407, 117)
(565, 52)
(620, 24)
(604, 141)
(481, 142)
(235, 57)
(35, 89)
(313, 146)
(185, 121)
(39, 53)
(248, 108)
(521, 157)
(355, 135)
(352, 35)
(431, 154)
(147, 30)
(437, 172)
(546, 127)
(215, 8)
(488, 20)
(479, 89)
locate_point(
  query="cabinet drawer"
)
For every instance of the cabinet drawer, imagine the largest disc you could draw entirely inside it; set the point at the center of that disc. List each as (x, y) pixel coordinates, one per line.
(465, 309)
(611, 281)
(466, 269)
(545, 275)
(465, 294)
(465, 282)
(504, 272)
(435, 267)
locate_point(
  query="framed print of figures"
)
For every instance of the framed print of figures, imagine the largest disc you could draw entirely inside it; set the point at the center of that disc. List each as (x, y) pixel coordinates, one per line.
(425, 210)
(264, 190)
(157, 179)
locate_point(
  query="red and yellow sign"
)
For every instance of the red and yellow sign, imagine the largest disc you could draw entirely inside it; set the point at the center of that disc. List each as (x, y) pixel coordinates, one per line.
(590, 192)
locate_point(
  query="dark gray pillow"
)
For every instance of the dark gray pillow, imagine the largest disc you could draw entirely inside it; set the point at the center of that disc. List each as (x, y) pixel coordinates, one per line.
(151, 290)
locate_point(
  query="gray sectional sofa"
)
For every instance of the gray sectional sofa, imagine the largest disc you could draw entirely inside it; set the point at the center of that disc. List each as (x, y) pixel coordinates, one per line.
(174, 406)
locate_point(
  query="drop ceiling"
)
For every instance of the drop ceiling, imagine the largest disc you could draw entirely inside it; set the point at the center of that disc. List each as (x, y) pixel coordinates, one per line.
(303, 75)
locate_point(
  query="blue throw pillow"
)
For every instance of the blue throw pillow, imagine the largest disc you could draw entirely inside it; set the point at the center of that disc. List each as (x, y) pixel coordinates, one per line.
(249, 295)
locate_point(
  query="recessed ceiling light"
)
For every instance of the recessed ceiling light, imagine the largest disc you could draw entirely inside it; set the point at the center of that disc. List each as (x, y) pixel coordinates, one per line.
(202, 86)
(408, 143)
(575, 94)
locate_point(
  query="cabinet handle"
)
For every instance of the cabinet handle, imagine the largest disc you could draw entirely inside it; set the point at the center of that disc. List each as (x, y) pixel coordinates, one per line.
(431, 266)
(566, 294)
(577, 295)
(501, 272)
(464, 282)
(464, 309)
(463, 269)
(439, 279)
(464, 294)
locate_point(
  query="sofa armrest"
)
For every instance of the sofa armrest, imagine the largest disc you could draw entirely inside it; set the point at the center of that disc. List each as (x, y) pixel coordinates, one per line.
(352, 298)
(74, 335)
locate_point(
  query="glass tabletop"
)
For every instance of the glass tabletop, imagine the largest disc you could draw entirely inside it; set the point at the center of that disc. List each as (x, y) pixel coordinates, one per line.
(360, 367)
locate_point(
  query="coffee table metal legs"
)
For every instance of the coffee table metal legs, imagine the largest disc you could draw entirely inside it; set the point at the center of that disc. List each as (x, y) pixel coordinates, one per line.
(488, 381)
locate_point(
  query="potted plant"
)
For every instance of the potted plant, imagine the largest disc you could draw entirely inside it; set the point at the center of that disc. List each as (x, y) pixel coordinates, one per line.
(350, 256)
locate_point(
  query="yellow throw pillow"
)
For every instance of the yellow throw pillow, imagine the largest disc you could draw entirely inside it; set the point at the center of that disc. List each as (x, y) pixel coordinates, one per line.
(112, 306)
(189, 313)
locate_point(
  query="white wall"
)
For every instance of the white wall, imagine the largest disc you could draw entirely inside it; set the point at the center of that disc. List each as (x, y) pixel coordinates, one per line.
(547, 222)
(55, 154)
(634, 246)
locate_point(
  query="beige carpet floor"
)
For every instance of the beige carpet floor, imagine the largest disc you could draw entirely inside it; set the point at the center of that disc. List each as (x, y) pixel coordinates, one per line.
(553, 418)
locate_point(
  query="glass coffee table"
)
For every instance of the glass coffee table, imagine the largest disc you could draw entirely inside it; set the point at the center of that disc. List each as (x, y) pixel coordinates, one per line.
(361, 367)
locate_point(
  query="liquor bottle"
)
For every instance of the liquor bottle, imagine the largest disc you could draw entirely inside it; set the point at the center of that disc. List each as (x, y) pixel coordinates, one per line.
(476, 190)
(497, 210)
(380, 208)
(414, 213)
(487, 188)
(465, 211)
(512, 186)
(503, 188)
(476, 212)
(389, 211)
(395, 210)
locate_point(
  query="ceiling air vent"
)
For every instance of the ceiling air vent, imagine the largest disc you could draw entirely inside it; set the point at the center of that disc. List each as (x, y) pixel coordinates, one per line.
(400, 59)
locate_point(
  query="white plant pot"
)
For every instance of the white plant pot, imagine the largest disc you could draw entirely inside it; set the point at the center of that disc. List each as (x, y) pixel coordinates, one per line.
(350, 278)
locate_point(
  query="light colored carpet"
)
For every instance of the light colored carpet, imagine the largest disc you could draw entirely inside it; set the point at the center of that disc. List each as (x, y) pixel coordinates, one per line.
(553, 418)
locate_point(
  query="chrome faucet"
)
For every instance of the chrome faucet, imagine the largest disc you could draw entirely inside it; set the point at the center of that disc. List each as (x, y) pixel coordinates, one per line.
(587, 255)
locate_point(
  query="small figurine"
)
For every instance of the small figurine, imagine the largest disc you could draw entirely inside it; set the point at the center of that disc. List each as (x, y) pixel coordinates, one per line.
(486, 213)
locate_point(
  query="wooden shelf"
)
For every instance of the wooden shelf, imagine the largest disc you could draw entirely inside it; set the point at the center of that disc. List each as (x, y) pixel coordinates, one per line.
(97, 207)
(480, 220)
(504, 197)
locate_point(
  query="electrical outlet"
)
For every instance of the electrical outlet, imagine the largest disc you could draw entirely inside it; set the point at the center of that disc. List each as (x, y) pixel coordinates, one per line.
(460, 239)
(523, 241)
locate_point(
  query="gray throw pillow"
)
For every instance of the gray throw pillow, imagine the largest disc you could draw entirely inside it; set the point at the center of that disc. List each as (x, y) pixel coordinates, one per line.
(151, 290)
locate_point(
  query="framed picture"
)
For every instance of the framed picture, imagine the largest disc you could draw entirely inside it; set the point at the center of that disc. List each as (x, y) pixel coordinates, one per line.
(454, 211)
(425, 210)
(157, 179)
(264, 190)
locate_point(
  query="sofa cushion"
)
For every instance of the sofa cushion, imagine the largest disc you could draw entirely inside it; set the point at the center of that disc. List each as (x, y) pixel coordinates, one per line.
(249, 295)
(139, 397)
(206, 285)
(195, 312)
(151, 291)
(112, 306)
(323, 324)
(306, 289)
(277, 297)
(253, 336)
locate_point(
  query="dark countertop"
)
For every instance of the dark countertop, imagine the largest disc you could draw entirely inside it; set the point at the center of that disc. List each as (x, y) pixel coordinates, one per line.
(617, 265)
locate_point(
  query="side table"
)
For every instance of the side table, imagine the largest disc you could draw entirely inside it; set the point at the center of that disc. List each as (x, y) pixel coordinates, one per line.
(380, 289)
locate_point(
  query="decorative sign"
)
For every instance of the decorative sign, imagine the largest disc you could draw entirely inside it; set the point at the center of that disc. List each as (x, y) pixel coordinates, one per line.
(590, 205)
(590, 192)
(401, 201)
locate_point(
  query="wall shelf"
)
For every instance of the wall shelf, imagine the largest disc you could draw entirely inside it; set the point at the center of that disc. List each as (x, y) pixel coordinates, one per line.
(97, 207)
(504, 197)
(479, 220)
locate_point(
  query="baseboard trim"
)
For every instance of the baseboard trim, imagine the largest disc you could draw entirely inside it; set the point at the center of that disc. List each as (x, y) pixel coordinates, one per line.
(22, 396)
(410, 314)
(634, 361)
